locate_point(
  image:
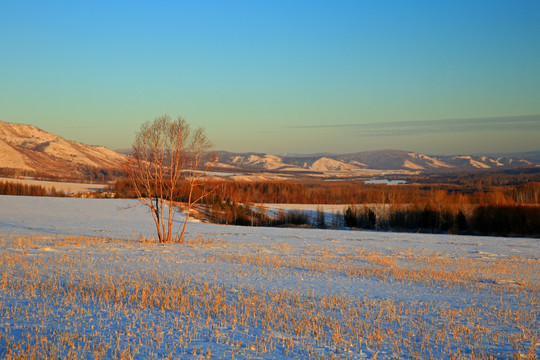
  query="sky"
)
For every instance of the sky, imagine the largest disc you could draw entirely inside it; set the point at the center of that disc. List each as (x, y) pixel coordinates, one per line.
(438, 77)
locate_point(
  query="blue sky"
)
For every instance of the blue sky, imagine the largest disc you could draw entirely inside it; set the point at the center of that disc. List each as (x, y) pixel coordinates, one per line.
(440, 77)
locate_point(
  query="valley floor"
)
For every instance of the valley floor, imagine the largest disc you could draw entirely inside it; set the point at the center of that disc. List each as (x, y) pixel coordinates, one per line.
(80, 280)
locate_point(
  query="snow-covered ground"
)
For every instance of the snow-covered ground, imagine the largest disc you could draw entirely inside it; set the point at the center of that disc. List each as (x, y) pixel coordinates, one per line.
(386, 182)
(254, 293)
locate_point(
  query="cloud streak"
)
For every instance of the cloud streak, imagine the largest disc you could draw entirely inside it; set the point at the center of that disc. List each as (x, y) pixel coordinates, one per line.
(404, 128)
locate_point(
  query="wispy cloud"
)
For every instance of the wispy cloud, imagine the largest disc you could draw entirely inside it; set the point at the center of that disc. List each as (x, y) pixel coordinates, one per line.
(403, 128)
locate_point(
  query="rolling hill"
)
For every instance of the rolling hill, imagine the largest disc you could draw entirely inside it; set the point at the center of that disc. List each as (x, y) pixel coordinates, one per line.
(367, 163)
(29, 149)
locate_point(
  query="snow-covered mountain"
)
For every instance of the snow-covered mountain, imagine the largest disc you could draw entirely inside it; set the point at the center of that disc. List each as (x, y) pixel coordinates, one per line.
(26, 147)
(380, 160)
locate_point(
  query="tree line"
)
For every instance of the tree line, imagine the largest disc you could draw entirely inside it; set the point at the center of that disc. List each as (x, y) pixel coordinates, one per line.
(512, 210)
(76, 174)
(353, 192)
(13, 188)
(497, 220)
(435, 208)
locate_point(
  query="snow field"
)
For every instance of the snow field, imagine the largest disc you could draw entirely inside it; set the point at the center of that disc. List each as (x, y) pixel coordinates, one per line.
(254, 293)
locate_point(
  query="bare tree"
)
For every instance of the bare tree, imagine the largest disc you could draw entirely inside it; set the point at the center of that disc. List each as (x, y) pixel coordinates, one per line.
(166, 153)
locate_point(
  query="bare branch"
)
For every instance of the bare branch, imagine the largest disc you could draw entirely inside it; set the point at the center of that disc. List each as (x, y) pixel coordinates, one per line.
(164, 151)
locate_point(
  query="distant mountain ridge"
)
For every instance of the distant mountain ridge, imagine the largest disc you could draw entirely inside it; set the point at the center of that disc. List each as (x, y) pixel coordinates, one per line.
(28, 148)
(378, 160)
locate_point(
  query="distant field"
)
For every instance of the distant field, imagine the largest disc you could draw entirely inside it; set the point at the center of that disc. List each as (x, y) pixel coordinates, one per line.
(66, 187)
(80, 279)
(329, 210)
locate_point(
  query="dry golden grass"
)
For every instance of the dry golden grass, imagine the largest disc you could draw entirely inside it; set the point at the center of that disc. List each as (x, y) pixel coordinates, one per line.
(58, 301)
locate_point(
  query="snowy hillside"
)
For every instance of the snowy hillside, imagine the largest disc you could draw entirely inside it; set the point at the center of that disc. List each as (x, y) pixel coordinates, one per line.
(29, 148)
(367, 163)
(255, 293)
